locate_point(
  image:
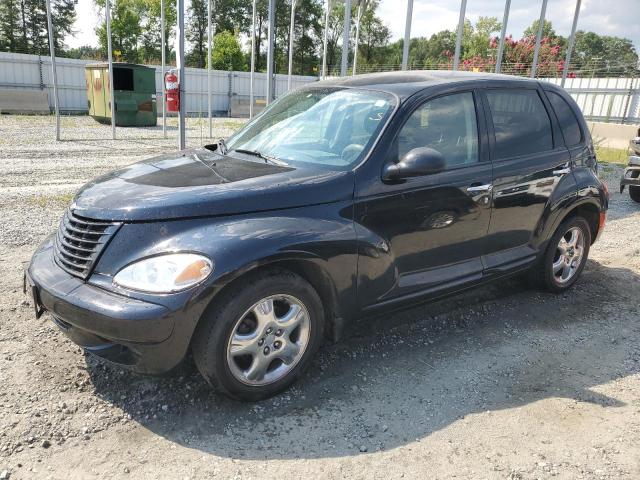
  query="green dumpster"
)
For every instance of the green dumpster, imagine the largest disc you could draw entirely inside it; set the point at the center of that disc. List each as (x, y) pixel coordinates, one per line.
(134, 94)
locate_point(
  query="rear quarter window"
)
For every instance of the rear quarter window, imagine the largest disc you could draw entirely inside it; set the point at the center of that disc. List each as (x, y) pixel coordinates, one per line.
(520, 121)
(568, 120)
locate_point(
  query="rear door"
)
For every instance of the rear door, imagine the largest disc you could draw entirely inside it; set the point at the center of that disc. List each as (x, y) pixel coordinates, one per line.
(530, 164)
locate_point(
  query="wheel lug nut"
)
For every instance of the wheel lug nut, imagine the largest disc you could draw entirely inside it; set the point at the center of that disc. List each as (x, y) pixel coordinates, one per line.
(266, 350)
(277, 344)
(261, 342)
(269, 330)
(278, 333)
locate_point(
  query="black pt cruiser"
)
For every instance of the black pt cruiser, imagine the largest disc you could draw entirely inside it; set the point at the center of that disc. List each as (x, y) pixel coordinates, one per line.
(343, 199)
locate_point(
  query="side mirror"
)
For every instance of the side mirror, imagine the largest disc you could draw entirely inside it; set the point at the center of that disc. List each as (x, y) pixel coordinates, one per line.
(415, 163)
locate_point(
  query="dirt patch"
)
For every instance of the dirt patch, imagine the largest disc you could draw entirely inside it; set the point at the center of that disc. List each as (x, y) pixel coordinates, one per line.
(500, 382)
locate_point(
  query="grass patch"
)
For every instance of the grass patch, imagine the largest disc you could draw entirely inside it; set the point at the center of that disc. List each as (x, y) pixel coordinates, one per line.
(233, 125)
(44, 201)
(612, 155)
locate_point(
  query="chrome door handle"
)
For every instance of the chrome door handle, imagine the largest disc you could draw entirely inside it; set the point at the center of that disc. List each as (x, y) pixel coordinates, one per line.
(480, 188)
(562, 171)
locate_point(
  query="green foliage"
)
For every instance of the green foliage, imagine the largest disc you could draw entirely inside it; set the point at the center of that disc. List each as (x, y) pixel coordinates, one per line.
(23, 25)
(227, 53)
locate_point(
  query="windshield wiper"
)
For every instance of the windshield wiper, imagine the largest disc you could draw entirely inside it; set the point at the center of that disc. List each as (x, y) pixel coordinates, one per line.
(255, 153)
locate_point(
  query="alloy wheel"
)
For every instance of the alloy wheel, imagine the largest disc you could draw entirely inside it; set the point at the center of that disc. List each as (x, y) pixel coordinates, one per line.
(568, 256)
(269, 340)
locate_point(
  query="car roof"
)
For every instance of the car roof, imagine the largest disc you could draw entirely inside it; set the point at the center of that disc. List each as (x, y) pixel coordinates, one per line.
(406, 83)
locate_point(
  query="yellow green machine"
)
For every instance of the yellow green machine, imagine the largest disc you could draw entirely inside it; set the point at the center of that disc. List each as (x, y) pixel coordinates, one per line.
(134, 94)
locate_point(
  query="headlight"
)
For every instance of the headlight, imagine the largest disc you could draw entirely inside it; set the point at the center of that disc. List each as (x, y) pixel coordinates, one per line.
(165, 273)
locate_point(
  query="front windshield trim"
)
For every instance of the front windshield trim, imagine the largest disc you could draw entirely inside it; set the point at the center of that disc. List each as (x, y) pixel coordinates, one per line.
(395, 106)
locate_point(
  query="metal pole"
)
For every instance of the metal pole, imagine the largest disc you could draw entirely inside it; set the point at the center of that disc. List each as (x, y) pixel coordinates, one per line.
(162, 69)
(209, 68)
(112, 102)
(536, 51)
(181, 77)
(345, 37)
(503, 33)
(54, 74)
(325, 39)
(456, 58)
(270, 48)
(407, 36)
(253, 58)
(572, 39)
(357, 39)
(293, 15)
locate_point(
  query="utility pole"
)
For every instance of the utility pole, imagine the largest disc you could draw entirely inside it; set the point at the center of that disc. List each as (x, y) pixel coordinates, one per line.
(325, 39)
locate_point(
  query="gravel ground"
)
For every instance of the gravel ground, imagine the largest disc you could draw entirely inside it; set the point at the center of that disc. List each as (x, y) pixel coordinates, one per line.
(501, 382)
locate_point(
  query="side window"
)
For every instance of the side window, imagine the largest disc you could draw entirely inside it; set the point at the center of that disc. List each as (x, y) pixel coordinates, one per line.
(568, 120)
(520, 122)
(446, 124)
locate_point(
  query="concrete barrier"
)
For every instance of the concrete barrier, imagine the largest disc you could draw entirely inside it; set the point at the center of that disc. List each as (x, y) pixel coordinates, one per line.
(612, 135)
(24, 101)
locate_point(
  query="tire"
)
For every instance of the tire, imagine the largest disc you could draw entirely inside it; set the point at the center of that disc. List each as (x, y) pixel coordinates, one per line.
(253, 324)
(634, 193)
(546, 274)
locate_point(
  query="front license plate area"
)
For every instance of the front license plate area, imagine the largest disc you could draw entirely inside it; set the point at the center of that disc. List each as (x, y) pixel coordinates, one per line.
(32, 291)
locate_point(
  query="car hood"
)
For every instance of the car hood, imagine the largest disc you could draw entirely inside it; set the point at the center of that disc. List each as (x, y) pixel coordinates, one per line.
(197, 183)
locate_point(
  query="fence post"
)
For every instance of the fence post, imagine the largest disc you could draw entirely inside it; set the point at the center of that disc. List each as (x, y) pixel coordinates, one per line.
(572, 40)
(407, 35)
(346, 33)
(536, 51)
(503, 32)
(270, 47)
(54, 73)
(456, 58)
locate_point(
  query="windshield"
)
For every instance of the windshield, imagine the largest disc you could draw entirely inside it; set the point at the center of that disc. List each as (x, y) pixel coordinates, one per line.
(332, 127)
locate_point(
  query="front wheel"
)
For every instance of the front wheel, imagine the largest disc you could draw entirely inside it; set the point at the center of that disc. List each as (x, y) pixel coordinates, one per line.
(634, 193)
(565, 257)
(260, 335)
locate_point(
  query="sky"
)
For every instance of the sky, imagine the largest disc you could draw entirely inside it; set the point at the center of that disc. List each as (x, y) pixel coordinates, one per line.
(431, 16)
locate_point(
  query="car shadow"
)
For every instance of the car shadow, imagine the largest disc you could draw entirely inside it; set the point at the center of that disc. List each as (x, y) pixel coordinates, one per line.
(404, 376)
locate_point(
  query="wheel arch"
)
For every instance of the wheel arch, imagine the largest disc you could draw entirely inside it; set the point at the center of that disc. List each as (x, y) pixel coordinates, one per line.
(307, 268)
(589, 210)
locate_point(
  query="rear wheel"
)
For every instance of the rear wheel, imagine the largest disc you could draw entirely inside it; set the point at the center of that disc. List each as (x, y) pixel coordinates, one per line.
(565, 257)
(634, 193)
(260, 336)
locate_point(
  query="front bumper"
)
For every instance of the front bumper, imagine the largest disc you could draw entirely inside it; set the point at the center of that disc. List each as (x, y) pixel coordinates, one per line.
(631, 174)
(127, 331)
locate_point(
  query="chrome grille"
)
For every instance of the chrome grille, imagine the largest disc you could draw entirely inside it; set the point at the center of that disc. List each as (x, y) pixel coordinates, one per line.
(80, 241)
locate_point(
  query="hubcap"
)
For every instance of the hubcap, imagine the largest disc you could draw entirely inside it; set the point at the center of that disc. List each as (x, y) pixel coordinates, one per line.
(269, 340)
(568, 255)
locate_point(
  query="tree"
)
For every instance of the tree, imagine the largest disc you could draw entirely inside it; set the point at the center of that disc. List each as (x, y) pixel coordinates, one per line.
(23, 25)
(227, 52)
(196, 33)
(547, 30)
(374, 37)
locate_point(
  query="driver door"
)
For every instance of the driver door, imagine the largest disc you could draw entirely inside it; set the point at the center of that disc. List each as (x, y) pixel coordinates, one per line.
(425, 234)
